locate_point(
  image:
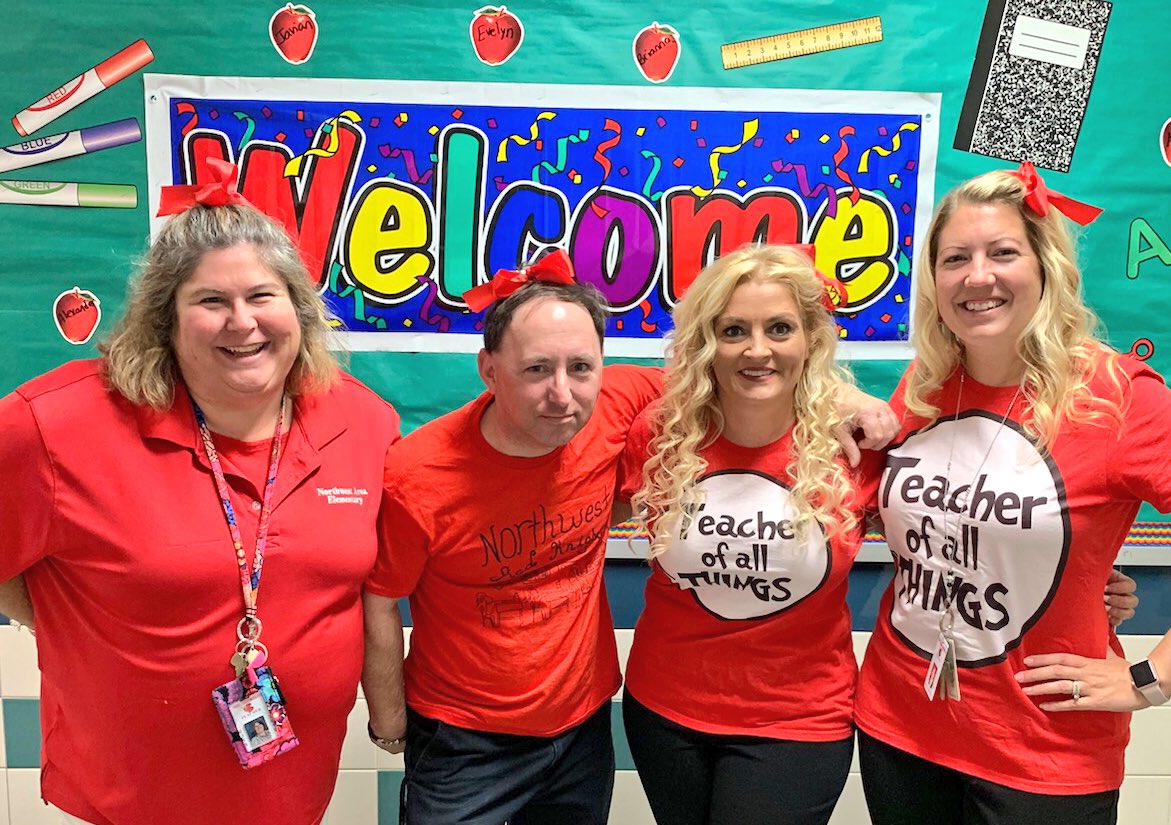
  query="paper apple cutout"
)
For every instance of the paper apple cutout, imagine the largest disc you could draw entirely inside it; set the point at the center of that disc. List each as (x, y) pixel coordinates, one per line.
(656, 51)
(293, 32)
(496, 34)
(76, 313)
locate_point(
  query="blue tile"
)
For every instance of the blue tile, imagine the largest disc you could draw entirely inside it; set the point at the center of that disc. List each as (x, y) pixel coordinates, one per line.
(22, 732)
(388, 785)
(623, 760)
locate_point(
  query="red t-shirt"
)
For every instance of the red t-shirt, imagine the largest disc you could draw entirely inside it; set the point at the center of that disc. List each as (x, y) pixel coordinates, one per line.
(502, 559)
(746, 630)
(111, 512)
(1032, 537)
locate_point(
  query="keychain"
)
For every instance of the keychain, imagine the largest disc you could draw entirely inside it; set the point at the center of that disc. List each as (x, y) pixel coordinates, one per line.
(943, 678)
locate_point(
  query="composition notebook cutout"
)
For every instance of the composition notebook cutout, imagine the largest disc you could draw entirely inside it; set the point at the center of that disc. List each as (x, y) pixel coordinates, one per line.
(1031, 80)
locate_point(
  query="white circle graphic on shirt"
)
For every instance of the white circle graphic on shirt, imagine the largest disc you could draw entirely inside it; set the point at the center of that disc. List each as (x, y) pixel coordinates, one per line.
(740, 556)
(996, 519)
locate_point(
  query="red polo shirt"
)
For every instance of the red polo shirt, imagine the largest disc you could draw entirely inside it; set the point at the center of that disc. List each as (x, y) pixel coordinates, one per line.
(110, 511)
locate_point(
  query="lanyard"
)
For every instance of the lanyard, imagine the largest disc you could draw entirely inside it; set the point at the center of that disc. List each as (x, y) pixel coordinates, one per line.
(248, 629)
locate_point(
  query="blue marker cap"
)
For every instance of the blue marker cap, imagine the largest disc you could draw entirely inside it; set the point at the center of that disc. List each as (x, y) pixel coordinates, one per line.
(108, 135)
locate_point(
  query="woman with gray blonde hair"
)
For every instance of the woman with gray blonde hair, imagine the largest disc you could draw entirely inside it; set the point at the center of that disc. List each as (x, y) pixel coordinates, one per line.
(739, 684)
(216, 440)
(1026, 450)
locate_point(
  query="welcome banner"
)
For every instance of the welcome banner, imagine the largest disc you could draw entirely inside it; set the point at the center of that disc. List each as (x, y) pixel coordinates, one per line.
(402, 196)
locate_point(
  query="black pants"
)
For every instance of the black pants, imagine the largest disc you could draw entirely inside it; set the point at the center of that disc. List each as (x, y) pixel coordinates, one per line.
(468, 777)
(694, 778)
(902, 789)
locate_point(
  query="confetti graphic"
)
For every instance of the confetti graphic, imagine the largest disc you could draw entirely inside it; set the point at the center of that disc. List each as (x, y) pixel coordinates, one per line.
(562, 154)
(600, 157)
(248, 130)
(750, 127)
(329, 129)
(840, 155)
(440, 322)
(864, 162)
(807, 191)
(412, 168)
(648, 184)
(519, 140)
(193, 121)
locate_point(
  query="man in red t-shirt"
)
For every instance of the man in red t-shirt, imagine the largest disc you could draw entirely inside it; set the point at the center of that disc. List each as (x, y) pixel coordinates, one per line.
(494, 521)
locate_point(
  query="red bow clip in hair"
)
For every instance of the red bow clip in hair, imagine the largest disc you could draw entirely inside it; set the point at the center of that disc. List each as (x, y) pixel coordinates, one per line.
(1039, 197)
(835, 295)
(220, 191)
(554, 268)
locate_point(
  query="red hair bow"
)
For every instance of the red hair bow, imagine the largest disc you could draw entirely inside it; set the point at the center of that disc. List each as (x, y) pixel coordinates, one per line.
(220, 191)
(554, 268)
(1038, 197)
(835, 294)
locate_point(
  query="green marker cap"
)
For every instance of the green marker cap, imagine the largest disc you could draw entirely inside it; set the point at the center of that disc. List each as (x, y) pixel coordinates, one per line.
(111, 195)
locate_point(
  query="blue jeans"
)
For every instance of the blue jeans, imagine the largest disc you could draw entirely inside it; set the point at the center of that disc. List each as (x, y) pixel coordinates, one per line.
(457, 776)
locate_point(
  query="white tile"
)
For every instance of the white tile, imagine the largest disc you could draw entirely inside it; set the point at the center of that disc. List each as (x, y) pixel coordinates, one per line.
(851, 808)
(628, 806)
(355, 799)
(623, 638)
(1148, 753)
(4, 818)
(1145, 800)
(24, 799)
(358, 752)
(19, 675)
(860, 642)
(1138, 647)
(388, 761)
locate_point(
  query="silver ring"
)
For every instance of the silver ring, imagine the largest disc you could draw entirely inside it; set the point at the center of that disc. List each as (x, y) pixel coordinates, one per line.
(1077, 690)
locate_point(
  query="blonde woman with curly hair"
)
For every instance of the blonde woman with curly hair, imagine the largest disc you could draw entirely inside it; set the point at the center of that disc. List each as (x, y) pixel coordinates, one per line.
(739, 685)
(1027, 448)
(144, 490)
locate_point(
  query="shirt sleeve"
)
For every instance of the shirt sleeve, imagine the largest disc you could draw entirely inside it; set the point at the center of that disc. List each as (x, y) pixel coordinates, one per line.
(27, 494)
(867, 477)
(1145, 444)
(635, 454)
(633, 387)
(403, 542)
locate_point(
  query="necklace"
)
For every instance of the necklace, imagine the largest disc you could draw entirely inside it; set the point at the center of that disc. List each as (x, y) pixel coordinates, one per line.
(944, 662)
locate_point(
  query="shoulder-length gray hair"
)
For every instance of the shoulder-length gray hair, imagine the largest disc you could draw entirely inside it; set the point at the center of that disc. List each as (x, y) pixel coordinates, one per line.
(140, 354)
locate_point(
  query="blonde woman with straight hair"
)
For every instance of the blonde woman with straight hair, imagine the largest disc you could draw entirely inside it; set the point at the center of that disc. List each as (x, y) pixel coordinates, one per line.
(739, 685)
(1026, 450)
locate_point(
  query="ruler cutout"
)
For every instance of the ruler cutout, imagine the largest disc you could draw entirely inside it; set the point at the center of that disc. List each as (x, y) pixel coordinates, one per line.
(801, 42)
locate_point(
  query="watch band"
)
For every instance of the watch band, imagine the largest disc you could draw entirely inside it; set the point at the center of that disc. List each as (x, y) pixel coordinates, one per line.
(392, 745)
(1146, 680)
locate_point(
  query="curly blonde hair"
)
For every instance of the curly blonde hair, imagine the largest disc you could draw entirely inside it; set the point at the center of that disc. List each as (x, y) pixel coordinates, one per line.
(139, 353)
(689, 417)
(1059, 346)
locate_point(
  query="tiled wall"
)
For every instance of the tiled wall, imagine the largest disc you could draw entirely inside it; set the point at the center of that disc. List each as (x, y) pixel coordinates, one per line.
(367, 789)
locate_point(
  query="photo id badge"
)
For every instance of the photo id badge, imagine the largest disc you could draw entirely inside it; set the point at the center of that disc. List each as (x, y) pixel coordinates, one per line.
(252, 710)
(935, 668)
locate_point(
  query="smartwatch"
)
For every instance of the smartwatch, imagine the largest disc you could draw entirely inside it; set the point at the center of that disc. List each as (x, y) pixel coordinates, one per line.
(388, 745)
(1146, 679)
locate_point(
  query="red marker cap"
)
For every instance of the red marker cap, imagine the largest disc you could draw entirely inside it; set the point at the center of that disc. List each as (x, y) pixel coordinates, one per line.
(126, 62)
